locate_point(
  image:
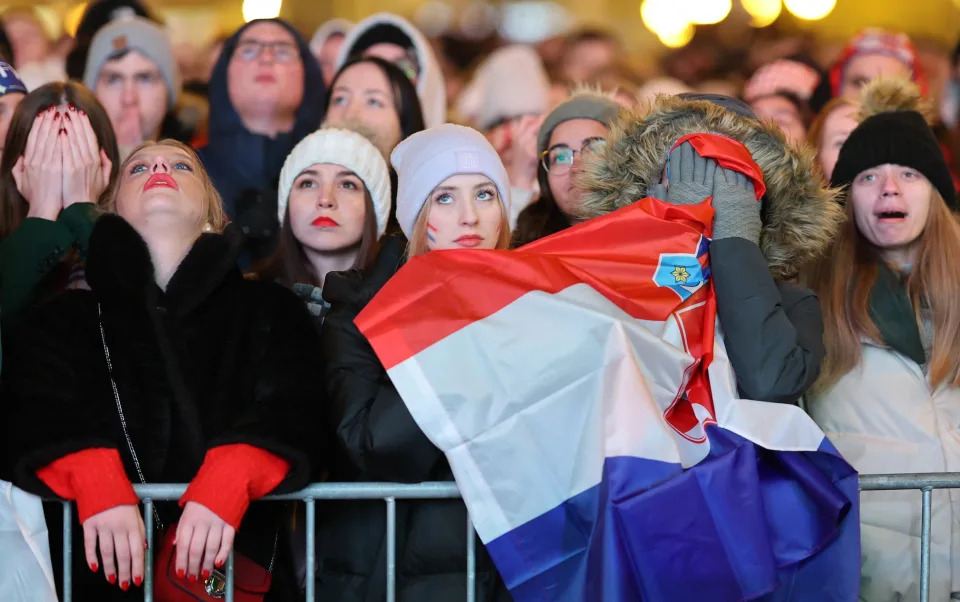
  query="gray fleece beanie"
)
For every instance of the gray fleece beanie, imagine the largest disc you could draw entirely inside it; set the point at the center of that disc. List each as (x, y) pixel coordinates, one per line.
(581, 105)
(136, 34)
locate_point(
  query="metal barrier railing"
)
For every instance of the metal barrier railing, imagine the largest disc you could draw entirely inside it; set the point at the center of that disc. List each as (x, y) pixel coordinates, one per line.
(391, 492)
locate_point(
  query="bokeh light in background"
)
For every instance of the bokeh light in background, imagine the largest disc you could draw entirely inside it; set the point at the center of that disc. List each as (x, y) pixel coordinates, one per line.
(663, 18)
(810, 10)
(704, 12)
(71, 21)
(530, 22)
(763, 12)
(261, 9)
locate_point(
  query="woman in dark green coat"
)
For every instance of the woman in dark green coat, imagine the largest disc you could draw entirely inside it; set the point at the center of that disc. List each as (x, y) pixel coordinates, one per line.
(57, 164)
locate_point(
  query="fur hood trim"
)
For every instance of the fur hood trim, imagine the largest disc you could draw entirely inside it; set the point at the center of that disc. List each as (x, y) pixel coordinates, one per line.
(800, 215)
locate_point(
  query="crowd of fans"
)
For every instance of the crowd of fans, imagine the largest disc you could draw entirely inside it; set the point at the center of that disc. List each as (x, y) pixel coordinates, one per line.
(204, 287)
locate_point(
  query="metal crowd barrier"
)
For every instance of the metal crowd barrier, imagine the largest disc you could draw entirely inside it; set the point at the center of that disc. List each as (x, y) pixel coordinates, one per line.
(391, 492)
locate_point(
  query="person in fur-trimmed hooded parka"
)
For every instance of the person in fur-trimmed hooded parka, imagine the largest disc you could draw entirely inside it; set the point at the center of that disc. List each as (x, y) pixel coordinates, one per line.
(772, 326)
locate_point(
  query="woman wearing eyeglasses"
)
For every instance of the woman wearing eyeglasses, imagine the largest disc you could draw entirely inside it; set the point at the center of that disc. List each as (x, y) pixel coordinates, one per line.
(266, 94)
(579, 125)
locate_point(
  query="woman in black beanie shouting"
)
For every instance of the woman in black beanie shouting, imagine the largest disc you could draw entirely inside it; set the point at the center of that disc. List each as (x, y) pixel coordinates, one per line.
(888, 394)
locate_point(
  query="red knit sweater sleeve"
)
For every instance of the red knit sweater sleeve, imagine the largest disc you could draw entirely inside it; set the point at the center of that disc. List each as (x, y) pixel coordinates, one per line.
(231, 476)
(94, 477)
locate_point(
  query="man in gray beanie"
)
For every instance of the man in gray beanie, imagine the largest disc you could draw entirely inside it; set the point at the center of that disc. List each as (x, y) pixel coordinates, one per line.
(132, 71)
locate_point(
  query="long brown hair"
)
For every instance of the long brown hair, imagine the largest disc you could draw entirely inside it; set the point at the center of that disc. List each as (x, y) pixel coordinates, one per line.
(418, 238)
(13, 207)
(844, 278)
(289, 264)
(214, 215)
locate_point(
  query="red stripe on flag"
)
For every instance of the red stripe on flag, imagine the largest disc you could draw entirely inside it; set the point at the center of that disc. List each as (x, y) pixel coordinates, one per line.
(440, 292)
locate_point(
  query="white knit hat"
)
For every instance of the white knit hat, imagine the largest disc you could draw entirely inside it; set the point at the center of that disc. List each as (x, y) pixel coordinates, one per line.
(427, 158)
(345, 148)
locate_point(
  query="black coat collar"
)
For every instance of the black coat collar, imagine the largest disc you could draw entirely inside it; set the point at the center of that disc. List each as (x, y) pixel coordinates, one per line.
(119, 266)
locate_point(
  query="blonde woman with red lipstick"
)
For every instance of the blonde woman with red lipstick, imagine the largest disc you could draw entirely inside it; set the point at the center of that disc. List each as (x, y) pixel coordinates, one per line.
(333, 205)
(172, 368)
(453, 193)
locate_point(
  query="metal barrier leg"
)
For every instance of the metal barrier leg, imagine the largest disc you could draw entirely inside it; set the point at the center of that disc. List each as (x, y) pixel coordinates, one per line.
(67, 557)
(148, 553)
(925, 544)
(391, 549)
(311, 550)
(229, 597)
(471, 562)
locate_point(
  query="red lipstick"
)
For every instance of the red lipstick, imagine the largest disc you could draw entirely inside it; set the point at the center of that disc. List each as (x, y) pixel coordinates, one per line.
(469, 240)
(160, 179)
(325, 222)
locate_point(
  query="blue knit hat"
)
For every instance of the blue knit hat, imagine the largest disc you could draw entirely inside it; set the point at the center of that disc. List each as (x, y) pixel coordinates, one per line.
(9, 80)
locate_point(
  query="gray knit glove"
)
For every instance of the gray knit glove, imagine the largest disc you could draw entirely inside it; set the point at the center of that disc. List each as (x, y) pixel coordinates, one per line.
(736, 206)
(690, 177)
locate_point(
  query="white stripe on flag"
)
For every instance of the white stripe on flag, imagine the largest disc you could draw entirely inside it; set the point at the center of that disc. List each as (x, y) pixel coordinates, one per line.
(529, 401)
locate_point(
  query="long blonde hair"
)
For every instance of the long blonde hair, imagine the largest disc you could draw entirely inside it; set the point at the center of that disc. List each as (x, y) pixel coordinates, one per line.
(418, 239)
(214, 215)
(845, 277)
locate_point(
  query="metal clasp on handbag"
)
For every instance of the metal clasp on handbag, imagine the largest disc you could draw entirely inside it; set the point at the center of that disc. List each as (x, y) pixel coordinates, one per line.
(216, 585)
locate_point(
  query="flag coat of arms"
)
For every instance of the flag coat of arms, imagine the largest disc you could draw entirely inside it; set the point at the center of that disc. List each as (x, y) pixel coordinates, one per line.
(581, 392)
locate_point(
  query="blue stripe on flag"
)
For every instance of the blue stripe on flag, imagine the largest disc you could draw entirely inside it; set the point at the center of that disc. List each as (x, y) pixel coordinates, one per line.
(746, 523)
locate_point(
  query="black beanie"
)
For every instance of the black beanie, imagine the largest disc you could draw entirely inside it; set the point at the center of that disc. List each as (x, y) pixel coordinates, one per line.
(899, 137)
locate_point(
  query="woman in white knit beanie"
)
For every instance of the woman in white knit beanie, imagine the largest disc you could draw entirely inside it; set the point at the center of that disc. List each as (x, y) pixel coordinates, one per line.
(333, 204)
(453, 191)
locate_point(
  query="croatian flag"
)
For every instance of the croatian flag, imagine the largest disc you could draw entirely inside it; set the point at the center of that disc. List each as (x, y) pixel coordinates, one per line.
(581, 392)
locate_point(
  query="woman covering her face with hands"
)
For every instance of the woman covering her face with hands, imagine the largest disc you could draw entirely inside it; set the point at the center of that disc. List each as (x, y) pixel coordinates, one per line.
(57, 165)
(172, 368)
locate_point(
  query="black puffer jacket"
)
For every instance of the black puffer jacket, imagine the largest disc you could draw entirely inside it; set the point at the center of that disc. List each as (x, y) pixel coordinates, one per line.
(213, 360)
(379, 441)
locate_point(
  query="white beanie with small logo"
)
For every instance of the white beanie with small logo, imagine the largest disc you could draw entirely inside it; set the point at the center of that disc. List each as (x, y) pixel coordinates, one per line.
(427, 158)
(346, 148)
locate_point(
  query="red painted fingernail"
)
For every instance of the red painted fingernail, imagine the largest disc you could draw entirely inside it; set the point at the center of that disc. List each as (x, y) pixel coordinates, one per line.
(66, 116)
(206, 575)
(57, 115)
(94, 567)
(180, 573)
(71, 107)
(219, 564)
(82, 112)
(124, 585)
(112, 579)
(193, 578)
(137, 581)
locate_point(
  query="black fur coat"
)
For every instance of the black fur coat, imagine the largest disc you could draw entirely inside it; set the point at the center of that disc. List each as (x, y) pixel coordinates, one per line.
(213, 360)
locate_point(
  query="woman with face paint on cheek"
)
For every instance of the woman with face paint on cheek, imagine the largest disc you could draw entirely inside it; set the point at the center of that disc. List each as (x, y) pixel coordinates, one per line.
(453, 193)
(889, 395)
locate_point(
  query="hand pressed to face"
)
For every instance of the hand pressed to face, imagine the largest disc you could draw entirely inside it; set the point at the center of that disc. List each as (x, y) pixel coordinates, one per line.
(132, 91)
(38, 172)
(62, 163)
(464, 212)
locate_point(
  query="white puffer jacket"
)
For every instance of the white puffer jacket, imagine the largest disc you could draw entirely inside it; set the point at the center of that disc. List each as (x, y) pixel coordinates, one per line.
(884, 418)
